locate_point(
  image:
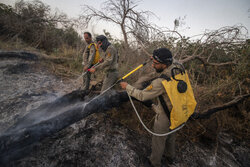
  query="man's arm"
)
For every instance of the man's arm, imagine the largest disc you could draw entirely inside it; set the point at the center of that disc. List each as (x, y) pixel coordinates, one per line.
(154, 90)
(91, 55)
(141, 82)
(110, 55)
(84, 56)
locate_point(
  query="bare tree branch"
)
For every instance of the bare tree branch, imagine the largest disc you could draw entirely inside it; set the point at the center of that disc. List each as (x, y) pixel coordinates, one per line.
(209, 112)
(122, 13)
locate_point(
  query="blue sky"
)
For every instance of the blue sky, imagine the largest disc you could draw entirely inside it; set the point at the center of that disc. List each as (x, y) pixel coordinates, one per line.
(200, 15)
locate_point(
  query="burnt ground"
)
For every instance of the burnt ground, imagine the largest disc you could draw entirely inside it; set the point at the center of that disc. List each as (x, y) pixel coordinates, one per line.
(96, 140)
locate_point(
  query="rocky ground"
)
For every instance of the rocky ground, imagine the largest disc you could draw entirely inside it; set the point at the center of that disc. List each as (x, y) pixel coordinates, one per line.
(96, 140)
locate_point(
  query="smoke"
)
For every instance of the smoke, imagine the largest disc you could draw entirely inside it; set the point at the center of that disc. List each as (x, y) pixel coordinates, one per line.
(48, 110)
(41, 115)
(50, 118)
(53, 109)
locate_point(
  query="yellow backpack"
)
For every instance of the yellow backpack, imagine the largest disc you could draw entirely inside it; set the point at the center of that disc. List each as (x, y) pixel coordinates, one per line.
(181, 96)
(97, 54)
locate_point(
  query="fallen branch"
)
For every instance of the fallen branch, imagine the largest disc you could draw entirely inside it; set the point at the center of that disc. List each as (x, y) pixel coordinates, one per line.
(18, 54)
(189, 58)
(28, 55)
(209, 112)
(222, 64)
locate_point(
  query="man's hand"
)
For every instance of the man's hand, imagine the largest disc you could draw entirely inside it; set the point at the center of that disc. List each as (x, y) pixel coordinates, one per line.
(92, 70)
(101, 60)
(85, 68)
(123, 85)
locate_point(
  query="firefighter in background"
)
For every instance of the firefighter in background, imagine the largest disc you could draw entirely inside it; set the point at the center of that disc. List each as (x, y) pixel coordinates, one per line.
(91, 56)
(109, 59)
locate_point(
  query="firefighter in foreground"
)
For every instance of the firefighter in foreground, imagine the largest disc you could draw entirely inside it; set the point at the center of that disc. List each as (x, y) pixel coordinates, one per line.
(109, 59)
(90, 58)
(162, 63)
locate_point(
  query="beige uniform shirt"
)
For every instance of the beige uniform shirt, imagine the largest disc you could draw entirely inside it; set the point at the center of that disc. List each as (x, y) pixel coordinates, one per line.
(88, 58)
(110, 60)
(153, 91)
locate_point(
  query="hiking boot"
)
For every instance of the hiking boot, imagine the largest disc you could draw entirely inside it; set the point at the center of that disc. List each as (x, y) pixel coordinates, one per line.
(169, 161)
(147, 163)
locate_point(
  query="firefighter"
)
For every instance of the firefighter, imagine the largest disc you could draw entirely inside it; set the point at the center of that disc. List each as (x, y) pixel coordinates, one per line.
(91, 56)
(109, 65)
(162, 62)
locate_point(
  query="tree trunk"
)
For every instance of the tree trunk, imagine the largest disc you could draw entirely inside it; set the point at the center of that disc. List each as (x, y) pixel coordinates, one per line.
(124, 36)
(17, 141)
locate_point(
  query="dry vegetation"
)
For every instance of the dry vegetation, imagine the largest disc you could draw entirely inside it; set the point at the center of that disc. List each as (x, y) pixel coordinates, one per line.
(217, 61)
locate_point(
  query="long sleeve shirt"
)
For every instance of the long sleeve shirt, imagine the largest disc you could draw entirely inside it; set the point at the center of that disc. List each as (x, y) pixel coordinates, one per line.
(110, 60)
(152, 92)
(89, 56)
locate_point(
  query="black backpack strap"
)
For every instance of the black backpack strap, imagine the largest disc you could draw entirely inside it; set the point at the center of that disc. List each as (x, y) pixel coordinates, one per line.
(163, 103)
(148, 82)
(165, 77)
(182, 71)
(165, 107)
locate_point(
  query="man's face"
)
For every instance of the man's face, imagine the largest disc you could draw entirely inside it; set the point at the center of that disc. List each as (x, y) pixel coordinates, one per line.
(87, 38)
(159, 67)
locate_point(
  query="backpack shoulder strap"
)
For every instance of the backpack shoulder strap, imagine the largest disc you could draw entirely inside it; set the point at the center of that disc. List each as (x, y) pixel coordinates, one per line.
(165, 77)
(91, 45)
(163, 103)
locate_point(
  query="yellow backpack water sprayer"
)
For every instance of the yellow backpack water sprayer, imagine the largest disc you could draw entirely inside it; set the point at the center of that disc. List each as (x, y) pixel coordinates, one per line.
(180, 93)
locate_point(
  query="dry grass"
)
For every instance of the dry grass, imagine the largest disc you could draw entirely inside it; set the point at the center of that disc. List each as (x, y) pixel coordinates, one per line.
(14, 44)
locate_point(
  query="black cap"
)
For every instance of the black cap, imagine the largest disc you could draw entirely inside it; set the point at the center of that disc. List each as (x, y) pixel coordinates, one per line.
(163, 55)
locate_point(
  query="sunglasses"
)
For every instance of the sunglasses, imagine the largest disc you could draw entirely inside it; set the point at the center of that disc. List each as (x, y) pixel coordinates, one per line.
(156, 62)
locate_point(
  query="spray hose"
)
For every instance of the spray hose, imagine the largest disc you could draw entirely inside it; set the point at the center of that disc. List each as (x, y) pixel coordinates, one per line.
(95, 65)
(145, 127)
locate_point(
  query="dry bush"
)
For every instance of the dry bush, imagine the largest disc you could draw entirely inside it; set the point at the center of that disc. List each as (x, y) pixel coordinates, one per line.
(218, 67)
(35, 24)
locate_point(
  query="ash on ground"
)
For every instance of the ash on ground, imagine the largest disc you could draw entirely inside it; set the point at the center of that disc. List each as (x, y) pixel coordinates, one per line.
(96, 140)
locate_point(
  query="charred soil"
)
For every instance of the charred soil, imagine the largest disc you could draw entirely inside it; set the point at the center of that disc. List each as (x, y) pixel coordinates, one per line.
(99, 139)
